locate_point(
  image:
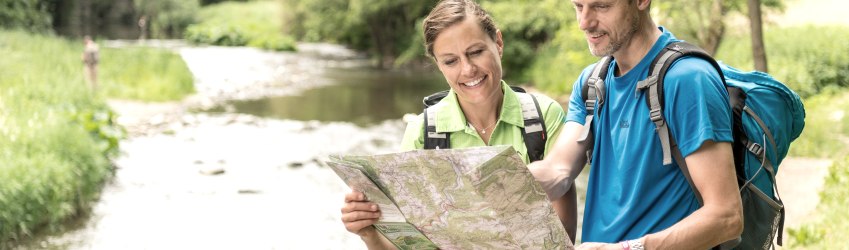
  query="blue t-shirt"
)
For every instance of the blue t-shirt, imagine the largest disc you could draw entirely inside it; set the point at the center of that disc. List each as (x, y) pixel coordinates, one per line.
(630, 192)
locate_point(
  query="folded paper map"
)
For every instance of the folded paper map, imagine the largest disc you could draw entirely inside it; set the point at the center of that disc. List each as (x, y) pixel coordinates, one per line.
(472, 198)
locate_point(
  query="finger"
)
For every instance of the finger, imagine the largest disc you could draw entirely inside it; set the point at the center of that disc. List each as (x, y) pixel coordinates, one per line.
(359, 215)
(360, 206)
(354, 196)
(356, 226)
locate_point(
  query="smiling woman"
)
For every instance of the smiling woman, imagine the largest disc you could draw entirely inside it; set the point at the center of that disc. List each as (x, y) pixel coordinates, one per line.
(480, 109)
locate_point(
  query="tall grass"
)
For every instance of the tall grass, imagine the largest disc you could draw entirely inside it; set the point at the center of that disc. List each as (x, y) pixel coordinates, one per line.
(144, 74)
(254, 23)
(56, 135)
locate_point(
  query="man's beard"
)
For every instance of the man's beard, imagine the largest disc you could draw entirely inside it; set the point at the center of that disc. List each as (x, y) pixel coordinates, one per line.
(616, 43)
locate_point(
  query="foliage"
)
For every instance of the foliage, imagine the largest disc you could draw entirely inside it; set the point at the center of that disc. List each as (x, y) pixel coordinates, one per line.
(56, 136)
(51, 166)
(385, 28)
(525, 35)
(691, 20)
(167, 18)
(826, 133)
(808, 66)
(830, 228)
(144, 74)
(560, 62)
(28, 14)
(255, 24)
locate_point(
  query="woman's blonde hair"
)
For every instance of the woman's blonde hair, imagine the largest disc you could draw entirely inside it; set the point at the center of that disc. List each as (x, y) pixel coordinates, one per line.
(450, 12)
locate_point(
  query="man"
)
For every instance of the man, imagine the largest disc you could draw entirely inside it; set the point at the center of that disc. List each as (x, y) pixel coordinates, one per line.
(634, 201)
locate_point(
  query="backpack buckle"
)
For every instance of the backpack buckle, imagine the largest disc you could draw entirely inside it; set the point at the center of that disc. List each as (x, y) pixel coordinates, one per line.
(756, 149)
(590, 106)
(656, 116)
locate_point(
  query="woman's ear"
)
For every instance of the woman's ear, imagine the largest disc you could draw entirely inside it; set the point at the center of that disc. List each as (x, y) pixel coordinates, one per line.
(499, 42)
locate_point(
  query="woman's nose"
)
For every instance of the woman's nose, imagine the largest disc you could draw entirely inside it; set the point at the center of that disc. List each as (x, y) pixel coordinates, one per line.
(469, 68)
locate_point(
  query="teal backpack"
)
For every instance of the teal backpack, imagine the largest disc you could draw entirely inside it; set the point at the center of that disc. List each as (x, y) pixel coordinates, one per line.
(767, 117)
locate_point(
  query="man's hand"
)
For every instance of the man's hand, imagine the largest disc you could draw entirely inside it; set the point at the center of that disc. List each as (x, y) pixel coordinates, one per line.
(359, 215)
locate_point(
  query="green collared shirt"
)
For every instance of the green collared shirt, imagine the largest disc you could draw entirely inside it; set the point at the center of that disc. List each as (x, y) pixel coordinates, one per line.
(450, 118)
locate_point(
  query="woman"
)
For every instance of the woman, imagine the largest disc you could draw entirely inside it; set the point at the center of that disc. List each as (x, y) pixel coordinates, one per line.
(479, 110)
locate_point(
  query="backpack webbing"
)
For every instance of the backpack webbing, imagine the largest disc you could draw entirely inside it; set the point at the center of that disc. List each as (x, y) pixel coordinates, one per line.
(533, 134)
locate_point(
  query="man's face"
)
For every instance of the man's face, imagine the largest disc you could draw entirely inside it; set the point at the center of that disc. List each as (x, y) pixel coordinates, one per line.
(607, 24)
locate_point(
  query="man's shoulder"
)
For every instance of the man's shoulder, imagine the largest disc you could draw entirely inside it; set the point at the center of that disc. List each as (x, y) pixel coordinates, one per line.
(689, 68)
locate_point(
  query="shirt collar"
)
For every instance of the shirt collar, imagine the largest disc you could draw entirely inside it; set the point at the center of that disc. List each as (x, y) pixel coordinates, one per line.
(450, 117)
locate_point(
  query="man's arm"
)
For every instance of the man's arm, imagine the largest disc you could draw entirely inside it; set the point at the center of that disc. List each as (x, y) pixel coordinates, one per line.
(721, 217)
(557, 172)
(567, 211)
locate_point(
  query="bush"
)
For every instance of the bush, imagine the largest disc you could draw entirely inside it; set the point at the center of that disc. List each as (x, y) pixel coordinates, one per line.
(818, 63)
(55, 138)
(256, 24)
(144, 74)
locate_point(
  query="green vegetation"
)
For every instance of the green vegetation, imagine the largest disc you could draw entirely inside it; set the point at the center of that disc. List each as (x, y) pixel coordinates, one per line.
(809, 66)
(144, 74)
(832, 222)
(256, 24)
(826, 135)
(56, 136)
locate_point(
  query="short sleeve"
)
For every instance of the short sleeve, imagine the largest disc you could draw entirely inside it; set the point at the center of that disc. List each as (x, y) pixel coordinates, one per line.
(696, 105)
(577, 111)
(413, 136)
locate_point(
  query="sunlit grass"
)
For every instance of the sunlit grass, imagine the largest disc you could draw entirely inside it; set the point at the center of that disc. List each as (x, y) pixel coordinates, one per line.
(56, 135)
(254, 23)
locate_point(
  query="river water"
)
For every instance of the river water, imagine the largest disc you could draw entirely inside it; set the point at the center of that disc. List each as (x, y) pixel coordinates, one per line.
(236, 166)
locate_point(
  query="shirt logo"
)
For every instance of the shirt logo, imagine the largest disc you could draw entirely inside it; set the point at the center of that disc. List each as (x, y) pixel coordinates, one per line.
(624, 124)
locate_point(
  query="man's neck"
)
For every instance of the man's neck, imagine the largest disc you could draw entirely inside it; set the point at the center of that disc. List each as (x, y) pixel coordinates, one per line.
(637, 48)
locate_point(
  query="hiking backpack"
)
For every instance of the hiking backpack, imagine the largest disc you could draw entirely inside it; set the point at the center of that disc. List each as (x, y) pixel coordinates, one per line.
(533, 134)
(767, 116)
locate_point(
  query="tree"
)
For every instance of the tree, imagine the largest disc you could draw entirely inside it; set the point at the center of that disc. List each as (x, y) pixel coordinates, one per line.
(703, 21)
(758, 50)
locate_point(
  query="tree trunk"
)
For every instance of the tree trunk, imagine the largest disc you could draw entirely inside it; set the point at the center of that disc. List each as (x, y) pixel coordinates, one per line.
(758, 49)
(716, 28)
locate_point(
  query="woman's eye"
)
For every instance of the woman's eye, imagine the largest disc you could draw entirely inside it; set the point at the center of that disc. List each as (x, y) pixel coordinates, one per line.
(476, 52)
(449, 61)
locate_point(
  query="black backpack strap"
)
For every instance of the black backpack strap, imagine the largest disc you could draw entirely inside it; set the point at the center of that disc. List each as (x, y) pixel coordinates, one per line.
(592, 91)
(534, 132)
(432, 139)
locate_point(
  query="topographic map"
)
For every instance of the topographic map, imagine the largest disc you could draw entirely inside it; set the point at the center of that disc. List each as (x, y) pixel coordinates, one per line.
(473, 198)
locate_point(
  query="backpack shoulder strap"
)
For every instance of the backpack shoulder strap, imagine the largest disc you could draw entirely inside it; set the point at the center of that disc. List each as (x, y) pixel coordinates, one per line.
(433, 139)
(592, 91)
(655, 99)
(534, 133)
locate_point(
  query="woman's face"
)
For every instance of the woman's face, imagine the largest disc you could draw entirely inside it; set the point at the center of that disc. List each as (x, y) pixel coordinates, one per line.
(470, 61)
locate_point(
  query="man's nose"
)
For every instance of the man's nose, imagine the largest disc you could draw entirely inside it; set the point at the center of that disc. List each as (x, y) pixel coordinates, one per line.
(586, 19)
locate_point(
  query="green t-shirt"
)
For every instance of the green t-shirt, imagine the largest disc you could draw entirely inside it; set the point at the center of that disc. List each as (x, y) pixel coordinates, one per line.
(507, 130)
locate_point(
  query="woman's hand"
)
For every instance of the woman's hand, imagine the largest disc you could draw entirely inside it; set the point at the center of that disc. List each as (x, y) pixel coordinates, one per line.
(358, 215)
